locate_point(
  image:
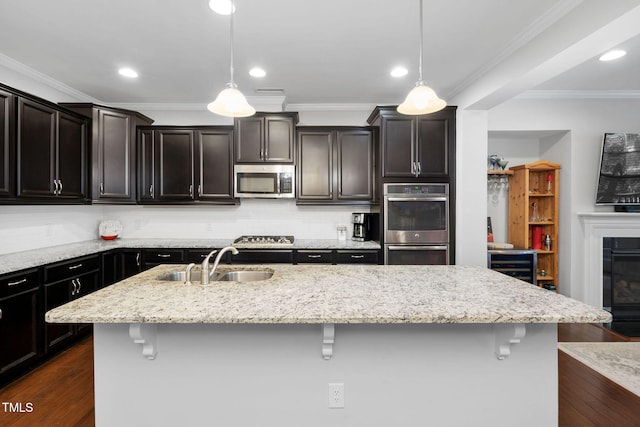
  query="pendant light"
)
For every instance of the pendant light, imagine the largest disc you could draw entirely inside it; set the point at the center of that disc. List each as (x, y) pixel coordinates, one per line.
(422, 99)
(231, 102)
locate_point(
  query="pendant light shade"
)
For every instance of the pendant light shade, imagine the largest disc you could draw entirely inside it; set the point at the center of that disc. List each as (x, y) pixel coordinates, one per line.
(230, 102)
(422, 99)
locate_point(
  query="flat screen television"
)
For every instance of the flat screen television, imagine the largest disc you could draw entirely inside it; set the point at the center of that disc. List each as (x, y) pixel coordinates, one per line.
(619, 178)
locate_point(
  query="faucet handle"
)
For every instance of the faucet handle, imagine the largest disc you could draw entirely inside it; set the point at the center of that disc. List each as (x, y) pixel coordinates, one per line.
(187, 275)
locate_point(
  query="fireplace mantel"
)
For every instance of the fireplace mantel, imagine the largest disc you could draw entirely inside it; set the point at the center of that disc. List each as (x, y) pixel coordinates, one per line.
(595, 226)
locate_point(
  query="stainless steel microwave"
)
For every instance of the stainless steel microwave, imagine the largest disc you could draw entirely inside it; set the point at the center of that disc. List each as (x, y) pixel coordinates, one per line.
(265, 181)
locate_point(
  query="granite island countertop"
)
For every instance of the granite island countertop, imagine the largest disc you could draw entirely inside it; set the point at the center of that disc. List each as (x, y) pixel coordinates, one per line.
(34, 258)
(330, 294)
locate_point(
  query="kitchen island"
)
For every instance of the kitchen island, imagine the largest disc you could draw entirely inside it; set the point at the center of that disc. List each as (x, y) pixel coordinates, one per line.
(410, 345)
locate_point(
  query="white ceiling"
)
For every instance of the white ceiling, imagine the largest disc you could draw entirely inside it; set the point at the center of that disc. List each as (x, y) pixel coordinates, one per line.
(320, 52)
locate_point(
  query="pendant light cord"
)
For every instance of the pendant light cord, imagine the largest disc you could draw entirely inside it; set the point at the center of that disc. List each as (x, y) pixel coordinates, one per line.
(421, 42)
(231, 42)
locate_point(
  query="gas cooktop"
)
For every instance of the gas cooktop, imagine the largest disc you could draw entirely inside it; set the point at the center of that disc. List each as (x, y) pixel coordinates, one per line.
(269, 240)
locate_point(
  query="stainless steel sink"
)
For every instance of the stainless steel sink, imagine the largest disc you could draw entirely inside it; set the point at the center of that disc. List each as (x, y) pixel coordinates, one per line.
(244, 276)
(177, 276)
(222, 276)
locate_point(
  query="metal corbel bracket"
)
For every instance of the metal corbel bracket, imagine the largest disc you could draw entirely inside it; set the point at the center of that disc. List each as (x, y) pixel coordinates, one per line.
(328, 338)
(507, 334)
(145, 334)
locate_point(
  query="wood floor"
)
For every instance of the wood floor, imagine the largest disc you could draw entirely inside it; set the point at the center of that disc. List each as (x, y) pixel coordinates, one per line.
(61, 391)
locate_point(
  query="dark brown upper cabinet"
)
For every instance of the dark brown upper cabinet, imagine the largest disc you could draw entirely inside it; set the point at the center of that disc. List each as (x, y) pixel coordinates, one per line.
(182, 165)
(265, 137)
(52, 153)
(113, 151)
(335, 165)
(416, 146)
(7, 145)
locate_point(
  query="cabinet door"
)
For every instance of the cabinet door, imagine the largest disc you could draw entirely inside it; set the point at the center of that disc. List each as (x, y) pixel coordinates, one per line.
(433, 146)
(7, 144)
(249, 145)
(84, 285)
(279, 134)
(174, 172)
(398, 135)
(315, 165)
(114, 157)
(19, 322)
(72, 157)
(55, 295)
(36, 149)
(146, 165)
(215, 164)
(355, 165)
(131, 263)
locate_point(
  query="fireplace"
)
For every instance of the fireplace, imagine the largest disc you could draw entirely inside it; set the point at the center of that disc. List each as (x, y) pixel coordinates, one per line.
(621, 277)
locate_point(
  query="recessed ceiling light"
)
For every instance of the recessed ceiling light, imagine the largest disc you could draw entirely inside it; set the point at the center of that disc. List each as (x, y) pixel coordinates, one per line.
(221, 7)
(613, 54)
(257, 72)
(128, 72)
(399, 72)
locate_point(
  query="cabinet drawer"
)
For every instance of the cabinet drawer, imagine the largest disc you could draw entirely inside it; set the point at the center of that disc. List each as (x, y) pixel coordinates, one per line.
(69, 269)
(315, 257)
(163, 256)
(357, 257)
(198, 255)
(16, 283)
(262, 256)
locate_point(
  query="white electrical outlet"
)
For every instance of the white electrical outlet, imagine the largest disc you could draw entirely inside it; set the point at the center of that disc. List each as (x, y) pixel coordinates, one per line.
(336, 395)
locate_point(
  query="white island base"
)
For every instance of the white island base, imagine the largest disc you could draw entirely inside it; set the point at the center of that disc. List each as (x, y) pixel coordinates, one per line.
(279, 374)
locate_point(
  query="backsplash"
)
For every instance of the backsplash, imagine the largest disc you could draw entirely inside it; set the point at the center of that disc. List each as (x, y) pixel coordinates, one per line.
(31, 227)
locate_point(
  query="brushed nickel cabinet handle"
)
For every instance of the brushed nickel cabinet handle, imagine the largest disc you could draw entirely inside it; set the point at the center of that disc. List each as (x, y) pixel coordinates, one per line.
(164, 255)
(18, 282)
(314, 256)
(357, 256)
(75, 267)
(60, 190)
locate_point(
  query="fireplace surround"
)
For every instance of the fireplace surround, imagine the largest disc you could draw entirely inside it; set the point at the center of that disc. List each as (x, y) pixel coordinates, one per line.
(598, 226)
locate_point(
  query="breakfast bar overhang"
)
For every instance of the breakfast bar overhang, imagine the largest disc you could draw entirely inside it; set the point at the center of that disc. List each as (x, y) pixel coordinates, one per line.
(409, 345)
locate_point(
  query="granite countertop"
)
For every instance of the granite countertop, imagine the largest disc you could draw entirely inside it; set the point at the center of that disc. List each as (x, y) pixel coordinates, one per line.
(331, 294)
(37, 257)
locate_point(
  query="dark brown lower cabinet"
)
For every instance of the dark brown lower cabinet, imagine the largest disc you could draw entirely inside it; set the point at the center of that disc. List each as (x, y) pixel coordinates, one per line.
(64, 282)
(20, 326)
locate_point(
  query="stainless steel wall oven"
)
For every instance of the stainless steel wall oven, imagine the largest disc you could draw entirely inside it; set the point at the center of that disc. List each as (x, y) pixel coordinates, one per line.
(416, 223)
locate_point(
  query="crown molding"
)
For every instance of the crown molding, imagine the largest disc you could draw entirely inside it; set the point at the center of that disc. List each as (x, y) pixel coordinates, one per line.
(39, 77)
(579, 94)
(530, 32)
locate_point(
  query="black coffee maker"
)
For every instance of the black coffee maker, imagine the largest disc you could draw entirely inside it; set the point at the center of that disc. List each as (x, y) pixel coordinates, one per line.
(365, 226)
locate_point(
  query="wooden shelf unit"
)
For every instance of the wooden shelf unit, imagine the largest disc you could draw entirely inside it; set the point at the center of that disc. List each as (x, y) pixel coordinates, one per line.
(529, 185)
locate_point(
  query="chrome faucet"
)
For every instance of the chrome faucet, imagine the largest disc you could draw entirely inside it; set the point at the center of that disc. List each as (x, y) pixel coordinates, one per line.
(205, 273)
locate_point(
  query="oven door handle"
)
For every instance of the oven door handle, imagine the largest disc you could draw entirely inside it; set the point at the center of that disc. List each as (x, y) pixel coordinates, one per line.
(418, 199)
(417, 248)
